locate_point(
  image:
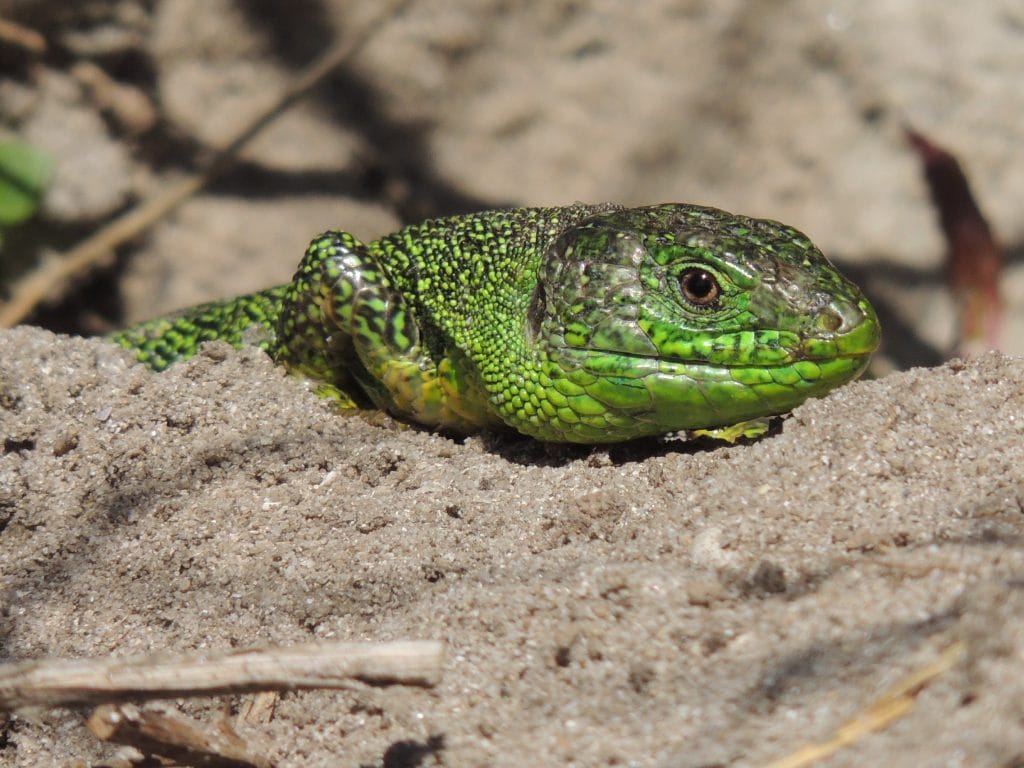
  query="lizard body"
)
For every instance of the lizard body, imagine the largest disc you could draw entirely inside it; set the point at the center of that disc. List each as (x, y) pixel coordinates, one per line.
(586, 324)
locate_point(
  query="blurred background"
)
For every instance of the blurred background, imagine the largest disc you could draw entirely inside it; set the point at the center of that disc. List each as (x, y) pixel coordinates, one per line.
(788, 109)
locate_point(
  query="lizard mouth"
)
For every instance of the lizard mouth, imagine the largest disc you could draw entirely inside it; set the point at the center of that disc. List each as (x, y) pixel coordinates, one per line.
(764, 349)
(844, 329)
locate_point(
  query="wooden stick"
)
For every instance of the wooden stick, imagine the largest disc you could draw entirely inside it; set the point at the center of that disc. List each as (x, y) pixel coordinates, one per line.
(886, 710)
(22, 36)
(49, 279)
(172, 735)
(61, 682)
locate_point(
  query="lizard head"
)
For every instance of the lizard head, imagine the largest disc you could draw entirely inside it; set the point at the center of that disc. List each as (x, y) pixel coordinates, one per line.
(679, 317)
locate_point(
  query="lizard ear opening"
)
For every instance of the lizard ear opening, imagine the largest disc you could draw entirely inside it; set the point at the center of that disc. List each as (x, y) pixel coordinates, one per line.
(535, 312)
(550, 271)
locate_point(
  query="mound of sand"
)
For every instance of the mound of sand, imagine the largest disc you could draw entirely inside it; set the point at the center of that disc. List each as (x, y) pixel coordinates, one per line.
(657, 604)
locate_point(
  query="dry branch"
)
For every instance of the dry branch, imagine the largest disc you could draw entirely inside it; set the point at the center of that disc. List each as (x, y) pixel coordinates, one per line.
(52, 276)
(62, 682)
(883, 712)
(24, 37)
(173, 735)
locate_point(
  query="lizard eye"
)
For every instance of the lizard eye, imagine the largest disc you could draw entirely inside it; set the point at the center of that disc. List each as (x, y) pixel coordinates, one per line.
(699, 287)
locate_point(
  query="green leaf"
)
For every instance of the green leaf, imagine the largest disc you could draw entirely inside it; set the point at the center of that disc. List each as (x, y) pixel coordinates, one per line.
(25, 173)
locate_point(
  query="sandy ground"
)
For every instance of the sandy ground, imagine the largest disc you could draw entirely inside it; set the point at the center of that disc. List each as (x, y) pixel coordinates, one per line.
(656, 604)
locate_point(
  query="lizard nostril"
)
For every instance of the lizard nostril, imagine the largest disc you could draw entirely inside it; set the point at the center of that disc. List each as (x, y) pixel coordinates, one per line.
(840, 316)
(829, 321)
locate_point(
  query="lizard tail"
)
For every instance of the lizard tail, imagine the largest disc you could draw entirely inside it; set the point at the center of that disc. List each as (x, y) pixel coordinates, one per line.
(246, 321)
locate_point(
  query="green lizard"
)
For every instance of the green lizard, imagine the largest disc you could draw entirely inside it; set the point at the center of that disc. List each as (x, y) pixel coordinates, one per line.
(585, 324)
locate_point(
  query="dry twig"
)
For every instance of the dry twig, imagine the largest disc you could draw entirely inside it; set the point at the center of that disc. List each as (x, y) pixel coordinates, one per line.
(62, 682)
(49, 279)
(886, 710)
(17, 34)
(174, 736)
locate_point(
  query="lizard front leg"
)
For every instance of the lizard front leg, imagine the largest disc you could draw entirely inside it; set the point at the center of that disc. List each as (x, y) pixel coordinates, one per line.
(344, 325)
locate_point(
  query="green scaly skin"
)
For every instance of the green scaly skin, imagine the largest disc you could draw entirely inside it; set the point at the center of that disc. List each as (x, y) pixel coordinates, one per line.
(584, 324)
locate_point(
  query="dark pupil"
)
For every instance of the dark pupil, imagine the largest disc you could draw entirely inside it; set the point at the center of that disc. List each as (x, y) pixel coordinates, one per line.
(699, 287)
